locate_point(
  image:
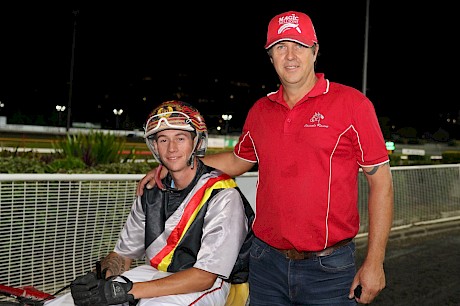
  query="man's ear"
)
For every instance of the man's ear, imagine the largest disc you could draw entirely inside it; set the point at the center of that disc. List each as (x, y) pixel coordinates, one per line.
(270, 56)
(315, 50)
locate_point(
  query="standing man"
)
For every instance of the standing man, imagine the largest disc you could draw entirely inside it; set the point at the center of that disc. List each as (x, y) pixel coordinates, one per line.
(310, 138)
(193, 228)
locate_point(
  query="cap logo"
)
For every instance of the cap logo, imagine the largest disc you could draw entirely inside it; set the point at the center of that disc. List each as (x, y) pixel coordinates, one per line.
(289, 22)
(166, 111)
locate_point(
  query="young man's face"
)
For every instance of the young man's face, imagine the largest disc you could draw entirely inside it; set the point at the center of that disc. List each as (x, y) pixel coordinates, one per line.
(174, 148)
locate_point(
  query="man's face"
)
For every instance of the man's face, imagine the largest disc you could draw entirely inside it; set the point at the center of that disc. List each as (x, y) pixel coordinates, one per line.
(293, 62)
(174, 148)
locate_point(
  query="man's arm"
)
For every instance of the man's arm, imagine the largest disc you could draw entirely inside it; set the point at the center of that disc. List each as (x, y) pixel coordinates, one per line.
(226, 162)
(186, 281)
(371, 275)
(86, 289)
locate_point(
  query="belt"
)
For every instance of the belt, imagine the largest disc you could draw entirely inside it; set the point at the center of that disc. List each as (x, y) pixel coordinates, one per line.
(294, 254)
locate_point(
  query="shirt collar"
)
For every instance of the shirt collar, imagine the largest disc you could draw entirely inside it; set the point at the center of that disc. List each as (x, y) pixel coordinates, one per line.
(321, 87)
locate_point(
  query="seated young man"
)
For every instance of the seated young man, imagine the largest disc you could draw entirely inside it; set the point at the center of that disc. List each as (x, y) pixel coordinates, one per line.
(194, 228)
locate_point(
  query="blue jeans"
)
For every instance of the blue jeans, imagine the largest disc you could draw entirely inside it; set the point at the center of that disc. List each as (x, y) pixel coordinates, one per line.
(276, 280)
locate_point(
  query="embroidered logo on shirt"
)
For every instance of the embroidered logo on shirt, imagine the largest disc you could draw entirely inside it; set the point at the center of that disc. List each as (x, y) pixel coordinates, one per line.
(316, 121)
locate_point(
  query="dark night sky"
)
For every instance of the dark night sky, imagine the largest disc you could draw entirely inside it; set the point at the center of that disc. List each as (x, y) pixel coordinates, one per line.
(117, 45)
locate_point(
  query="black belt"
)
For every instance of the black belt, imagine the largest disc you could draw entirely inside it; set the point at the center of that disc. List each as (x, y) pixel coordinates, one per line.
(294, 254)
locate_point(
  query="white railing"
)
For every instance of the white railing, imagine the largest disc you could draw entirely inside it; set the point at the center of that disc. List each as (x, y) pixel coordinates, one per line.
(422, 194)
(53, 227)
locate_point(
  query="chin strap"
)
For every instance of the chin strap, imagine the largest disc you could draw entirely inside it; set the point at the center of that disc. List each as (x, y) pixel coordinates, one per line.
(191, 161)
(197, 142)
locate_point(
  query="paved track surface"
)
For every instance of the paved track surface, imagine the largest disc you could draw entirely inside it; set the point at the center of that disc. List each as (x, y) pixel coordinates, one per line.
(421, 270)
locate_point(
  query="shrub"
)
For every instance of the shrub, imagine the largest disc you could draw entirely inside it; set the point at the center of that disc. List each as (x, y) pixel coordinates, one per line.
(93, 148)
(125, 168)
(70, 165)
(451, 157)
(15, 164)
(96, 152)
(65, 165)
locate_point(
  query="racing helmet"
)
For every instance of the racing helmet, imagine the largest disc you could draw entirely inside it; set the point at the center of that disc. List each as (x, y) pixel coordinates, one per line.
(177, 115)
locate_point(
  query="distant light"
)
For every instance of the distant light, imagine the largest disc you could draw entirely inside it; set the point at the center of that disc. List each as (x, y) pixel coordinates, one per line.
(390, 145)
(60, 108)
(117, 112)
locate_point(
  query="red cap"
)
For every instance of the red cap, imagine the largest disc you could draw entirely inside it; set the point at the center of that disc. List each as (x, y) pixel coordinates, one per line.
(291, 26)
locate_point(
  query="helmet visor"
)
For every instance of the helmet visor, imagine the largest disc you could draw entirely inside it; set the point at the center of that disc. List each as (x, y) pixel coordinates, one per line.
(168, 120)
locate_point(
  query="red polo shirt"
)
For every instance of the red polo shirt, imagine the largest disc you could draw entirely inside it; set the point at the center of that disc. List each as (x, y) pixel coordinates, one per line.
(309, 157)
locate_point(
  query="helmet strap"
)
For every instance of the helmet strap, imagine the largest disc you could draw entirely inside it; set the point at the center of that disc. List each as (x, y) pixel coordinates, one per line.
(196, 143)
(191, 160)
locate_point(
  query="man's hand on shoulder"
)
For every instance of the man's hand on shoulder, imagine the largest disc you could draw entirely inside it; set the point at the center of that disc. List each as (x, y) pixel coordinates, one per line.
(148, 181)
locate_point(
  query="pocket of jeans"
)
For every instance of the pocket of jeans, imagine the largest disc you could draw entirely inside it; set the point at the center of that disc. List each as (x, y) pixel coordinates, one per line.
(258, 249)
(341, 259)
